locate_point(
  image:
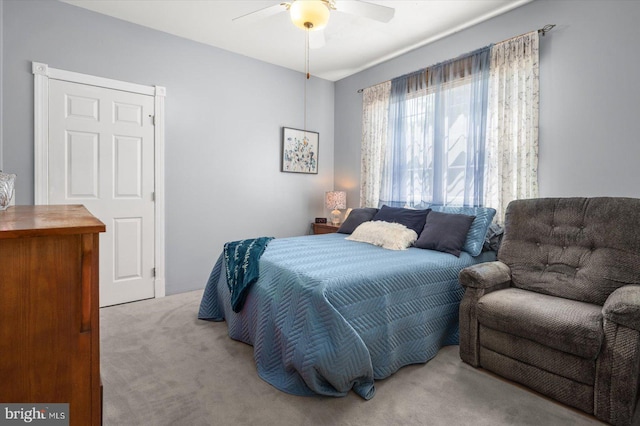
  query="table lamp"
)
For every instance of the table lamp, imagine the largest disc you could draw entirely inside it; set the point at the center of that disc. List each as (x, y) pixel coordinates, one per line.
(335, 200)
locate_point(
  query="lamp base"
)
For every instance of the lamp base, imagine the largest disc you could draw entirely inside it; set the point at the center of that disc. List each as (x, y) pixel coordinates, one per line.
(335, 217)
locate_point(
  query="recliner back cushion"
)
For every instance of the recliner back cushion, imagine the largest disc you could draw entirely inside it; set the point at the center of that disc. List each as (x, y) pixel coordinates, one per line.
(577, 248)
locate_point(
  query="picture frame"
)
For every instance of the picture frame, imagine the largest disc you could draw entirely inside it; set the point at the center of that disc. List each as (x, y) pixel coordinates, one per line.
(299, 151)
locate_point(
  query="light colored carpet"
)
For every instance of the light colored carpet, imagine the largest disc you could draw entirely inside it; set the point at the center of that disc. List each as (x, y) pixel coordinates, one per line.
(163, 366)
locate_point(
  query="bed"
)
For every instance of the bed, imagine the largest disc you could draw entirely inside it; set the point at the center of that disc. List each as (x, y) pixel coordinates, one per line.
(328, 315)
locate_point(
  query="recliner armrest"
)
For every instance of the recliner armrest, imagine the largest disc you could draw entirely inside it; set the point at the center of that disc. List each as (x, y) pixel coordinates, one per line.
(485, 275)
(623, 306)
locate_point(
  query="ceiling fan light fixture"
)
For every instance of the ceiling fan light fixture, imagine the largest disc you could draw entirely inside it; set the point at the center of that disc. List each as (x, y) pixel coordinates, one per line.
(309, 14)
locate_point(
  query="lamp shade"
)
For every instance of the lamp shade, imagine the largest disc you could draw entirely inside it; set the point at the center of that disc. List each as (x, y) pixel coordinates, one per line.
(313, 12)
(335, 200)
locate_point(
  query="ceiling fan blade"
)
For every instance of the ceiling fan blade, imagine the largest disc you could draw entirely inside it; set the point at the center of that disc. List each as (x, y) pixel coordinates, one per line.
(261, 13)
(368, 10)
(316, 39)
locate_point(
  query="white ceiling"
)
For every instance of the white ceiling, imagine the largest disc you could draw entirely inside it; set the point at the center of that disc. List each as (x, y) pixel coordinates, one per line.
(352, 43)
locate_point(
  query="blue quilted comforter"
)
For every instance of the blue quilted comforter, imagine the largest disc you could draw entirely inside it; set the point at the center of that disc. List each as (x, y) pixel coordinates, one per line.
(328, 315)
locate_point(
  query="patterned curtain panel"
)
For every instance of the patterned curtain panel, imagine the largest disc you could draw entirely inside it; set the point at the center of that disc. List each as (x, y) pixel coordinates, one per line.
(436, 140)
(512, 136)
(375, 112)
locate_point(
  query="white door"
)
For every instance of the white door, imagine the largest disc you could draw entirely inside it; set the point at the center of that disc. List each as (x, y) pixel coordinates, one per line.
(101, 154)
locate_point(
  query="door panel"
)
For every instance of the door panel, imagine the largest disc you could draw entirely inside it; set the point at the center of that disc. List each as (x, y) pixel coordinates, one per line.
(128, 239)
(128, 167)
(101, 154)
(83, 108)
(82, 165)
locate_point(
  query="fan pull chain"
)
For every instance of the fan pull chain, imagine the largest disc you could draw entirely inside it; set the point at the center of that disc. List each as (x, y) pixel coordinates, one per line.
(308, 26)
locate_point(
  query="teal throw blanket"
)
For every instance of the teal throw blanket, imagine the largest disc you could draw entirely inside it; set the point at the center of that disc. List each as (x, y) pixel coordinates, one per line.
(242, 260)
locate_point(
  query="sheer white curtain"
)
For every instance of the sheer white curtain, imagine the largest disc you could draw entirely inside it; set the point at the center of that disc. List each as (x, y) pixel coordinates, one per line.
(512, 131)
(436, 141)
(375, 112)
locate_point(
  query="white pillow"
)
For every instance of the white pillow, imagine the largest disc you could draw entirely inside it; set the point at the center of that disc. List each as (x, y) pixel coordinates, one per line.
(392, 236)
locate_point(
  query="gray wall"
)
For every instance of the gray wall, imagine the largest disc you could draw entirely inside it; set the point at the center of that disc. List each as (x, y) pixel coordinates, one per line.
(589, 95)
(223, 118)
(224, 114)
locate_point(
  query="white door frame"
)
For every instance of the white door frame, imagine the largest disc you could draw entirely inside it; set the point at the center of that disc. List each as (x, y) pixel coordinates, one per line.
(42, 73)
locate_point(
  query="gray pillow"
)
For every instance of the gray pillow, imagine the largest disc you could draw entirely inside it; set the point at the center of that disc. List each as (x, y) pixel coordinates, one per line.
(356, 218)
(445, 232)
(478, 230)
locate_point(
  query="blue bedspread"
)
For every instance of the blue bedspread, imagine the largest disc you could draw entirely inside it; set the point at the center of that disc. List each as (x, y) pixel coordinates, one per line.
(328, 315)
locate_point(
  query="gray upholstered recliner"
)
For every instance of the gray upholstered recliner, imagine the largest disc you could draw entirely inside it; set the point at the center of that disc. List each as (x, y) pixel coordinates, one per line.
(559, 311)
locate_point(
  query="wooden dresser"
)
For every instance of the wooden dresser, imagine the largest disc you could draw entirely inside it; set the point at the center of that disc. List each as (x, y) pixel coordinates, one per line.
(49, 318)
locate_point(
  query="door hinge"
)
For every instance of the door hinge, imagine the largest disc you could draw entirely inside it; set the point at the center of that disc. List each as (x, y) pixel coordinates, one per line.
(153, 196)
(153, 119)
(153, 272)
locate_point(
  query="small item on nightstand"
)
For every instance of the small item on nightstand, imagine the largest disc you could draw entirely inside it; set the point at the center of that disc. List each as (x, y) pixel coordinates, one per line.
(321, 220)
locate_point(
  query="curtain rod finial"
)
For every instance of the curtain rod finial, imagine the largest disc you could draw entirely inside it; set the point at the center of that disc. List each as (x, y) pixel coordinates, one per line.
(544, 30)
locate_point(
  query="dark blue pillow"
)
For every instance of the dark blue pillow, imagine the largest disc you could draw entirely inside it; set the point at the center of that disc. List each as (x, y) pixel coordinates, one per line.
(356, 218)
(445, 232)
(412, 219)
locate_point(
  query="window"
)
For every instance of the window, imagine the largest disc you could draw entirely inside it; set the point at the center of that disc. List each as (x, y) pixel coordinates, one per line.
(463, 132)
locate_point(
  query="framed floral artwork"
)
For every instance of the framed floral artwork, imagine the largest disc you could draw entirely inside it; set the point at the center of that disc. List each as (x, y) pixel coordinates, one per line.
(299, 151)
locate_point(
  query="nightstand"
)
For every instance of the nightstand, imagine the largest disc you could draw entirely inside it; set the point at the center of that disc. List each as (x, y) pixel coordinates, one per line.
(324, 228)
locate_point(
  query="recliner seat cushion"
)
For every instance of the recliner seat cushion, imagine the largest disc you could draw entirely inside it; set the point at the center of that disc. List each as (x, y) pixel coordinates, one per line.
(566, 325)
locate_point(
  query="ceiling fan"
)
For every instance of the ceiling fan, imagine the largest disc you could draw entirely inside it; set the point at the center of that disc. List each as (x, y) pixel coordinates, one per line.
(313, 15)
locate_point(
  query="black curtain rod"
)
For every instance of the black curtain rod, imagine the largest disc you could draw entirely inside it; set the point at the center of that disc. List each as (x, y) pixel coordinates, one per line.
(544, 30)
